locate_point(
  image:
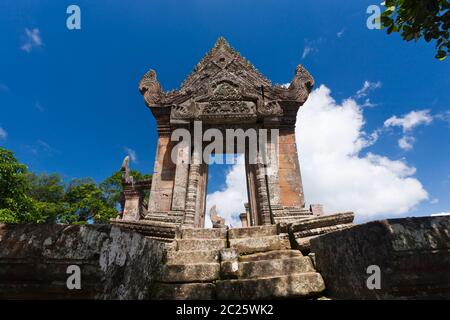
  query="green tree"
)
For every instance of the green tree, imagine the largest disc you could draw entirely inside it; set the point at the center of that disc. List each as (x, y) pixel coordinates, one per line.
(45, 198)
(46, 187)
(415, 19)
(15, 205)
(86, 203)
(113, 191)
(48, 191)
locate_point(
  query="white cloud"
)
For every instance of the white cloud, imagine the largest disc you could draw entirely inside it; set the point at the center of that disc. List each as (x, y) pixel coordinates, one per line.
(41, 148)
(340, 33)
(440, 214)
(306, 52)
(3, 134)
(406, 142)
(32, 39)
(434, 201)
(408, 122)
(366, 88)
(132, 153)
(311, 46)
(330, 138)
(230, 200)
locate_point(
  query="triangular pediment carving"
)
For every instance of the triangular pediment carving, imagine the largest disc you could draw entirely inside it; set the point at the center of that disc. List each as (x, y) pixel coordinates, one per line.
(225, 87)
(223, 63)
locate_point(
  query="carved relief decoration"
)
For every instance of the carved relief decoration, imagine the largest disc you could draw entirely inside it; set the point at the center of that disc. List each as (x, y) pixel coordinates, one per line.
(224, 85)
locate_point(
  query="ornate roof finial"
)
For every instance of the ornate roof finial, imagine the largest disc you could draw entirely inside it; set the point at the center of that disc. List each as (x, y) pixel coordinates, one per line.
(221, 42)
(301, 85)
(150, 88)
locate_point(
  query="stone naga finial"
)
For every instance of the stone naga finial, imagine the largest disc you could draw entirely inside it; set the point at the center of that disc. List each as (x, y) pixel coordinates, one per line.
(217, 221)
(126, 176)
(150, 88)
(301, 85)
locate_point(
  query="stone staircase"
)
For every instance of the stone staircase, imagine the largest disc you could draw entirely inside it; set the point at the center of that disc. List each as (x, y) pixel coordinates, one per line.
(241, 263)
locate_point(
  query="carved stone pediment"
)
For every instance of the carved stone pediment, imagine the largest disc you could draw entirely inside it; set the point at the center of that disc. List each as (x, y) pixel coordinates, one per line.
(224, 101)
(225, 87)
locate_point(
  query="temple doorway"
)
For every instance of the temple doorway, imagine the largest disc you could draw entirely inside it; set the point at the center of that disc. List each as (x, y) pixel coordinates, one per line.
(227, 192)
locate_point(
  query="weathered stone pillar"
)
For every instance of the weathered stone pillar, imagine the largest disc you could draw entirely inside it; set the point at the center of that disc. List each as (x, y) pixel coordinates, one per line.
(199, 219)
(252, 193)
(133, 204)
(163, 176)
(291, 189)
(191, 197)
(245, 216)
(244, 222)
(271, 151)
(262, 192)
(181, 179)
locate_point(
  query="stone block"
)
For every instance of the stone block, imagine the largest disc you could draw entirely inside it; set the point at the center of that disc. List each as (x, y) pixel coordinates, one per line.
(413, 255)
(114, 263)
(190, 272)
(258, 231)
(196, 256)
(274, 267)
(276, 254)
(201, 244)
(252, 245)
(185, 291)
(302, 285)
(200, 233)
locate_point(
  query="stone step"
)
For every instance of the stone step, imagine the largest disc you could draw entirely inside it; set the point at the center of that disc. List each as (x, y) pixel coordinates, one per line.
(196, 256)
(272, 268)
(260, 244)
(201, 244)
(200, 233)
(276, 254)
(163, 218)
(185, 291)
(194, 272)
(258, 231)
(301, 285)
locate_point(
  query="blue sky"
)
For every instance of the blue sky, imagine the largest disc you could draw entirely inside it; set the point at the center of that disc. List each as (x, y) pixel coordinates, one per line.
(69, 101)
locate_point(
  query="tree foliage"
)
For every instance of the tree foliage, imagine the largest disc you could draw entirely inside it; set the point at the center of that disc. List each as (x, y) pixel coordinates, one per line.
(416, 19)
(45, 198)
(15, 204)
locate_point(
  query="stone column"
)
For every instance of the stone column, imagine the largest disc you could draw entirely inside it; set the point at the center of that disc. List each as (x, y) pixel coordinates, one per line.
(163, 176)
(181, 179)
(271, 152)
(262, 193)
(244, 222)
(191, 197)
(133, 206)
(291, 189)
(250, 172)
(199, 220)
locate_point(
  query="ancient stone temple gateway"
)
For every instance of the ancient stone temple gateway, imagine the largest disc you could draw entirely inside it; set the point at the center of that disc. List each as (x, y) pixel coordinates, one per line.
(224, 91)
(283, 250)
(263, 258)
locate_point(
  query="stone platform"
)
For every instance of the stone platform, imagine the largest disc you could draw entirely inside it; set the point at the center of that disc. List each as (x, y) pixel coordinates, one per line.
(244, 263)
